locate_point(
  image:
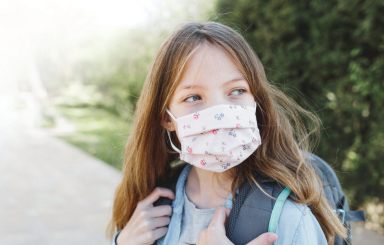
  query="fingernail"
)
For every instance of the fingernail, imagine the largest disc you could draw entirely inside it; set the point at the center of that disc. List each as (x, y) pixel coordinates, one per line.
(272, 237)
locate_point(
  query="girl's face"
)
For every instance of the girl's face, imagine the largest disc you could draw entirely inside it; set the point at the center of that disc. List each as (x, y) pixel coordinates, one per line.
(210, 78)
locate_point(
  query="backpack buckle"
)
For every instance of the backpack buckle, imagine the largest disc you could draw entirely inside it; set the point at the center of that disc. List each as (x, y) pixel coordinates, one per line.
(341, 213)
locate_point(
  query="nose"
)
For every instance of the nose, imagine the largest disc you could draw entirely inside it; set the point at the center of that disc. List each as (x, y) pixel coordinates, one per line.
(217, 98)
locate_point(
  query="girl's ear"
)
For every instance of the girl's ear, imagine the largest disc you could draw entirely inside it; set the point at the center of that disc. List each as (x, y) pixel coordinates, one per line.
(167, 123)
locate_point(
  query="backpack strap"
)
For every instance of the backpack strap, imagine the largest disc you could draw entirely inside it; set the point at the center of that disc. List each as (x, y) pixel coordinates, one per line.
(350, 215)
(244, 190)
(252, 209)
(354, 215)
(169, 182)
(277, 209)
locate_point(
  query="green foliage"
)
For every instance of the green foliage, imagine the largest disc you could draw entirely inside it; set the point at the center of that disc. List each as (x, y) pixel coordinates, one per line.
(117, 74)
(333, 53)
(98, 132)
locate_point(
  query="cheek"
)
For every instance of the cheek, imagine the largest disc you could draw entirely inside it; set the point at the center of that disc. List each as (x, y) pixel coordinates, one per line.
(250, 99)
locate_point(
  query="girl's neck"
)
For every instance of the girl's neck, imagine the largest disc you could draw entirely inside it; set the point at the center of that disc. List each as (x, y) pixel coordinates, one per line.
(207, 189)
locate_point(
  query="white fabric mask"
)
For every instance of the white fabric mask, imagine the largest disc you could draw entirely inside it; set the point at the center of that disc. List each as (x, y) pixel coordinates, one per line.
(219, 137)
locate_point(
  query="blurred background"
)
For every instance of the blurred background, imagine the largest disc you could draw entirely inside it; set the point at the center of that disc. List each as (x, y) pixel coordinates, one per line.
(71, 72)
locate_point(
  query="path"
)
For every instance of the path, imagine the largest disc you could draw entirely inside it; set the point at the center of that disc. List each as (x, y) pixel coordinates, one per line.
(51, 192)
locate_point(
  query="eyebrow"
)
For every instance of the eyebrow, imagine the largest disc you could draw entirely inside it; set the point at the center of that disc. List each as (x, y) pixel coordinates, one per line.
(226, 83)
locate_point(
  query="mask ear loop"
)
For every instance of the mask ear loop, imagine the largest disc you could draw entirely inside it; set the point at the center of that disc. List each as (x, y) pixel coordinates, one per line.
(169, 134)
(173, 146)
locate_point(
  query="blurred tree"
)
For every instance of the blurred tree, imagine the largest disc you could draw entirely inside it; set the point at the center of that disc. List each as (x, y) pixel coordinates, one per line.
(107, 72)
(333, 53)
(119, 71)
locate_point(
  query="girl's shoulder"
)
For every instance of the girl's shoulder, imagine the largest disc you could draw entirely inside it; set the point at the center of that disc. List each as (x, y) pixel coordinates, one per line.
(298, 225)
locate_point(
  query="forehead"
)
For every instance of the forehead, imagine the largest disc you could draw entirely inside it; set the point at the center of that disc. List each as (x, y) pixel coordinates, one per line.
(209, 64)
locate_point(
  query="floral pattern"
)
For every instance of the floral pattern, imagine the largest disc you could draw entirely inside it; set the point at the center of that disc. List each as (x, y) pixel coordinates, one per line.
(219, 116)
(219, 137)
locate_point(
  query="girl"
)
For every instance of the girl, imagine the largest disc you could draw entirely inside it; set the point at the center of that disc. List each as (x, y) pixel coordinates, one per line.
(242, 145)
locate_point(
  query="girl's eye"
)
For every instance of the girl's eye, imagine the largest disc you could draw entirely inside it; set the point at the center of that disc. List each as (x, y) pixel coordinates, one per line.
(238, 91)
(192, 98)
(235, 92)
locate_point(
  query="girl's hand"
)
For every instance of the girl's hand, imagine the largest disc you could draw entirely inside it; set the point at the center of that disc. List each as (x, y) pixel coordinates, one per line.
(215, 233)
(148, 223)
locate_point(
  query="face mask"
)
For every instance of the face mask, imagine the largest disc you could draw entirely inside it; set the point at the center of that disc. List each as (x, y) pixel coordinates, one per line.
(219, 137)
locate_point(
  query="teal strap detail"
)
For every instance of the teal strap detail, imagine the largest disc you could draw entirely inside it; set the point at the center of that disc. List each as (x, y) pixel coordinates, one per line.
(276, 211)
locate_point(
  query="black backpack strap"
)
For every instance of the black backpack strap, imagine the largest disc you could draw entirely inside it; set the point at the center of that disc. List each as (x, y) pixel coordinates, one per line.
(251, 210)
(169, 182)
(234, 214)
(355, 215)
(347, 215)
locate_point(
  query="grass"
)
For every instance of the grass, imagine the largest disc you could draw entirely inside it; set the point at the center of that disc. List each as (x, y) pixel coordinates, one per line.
(98, 132)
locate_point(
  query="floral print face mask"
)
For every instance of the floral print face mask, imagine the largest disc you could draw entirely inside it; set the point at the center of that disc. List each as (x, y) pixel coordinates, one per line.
(219, 137)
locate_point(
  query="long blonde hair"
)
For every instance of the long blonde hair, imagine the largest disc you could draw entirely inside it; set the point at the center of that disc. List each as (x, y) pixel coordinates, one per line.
(284, 126)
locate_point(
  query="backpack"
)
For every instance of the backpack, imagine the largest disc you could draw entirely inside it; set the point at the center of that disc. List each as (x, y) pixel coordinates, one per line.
(336, 196)
(268, 210)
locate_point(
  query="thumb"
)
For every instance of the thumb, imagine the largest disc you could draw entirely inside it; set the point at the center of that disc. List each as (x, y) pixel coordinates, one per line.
(218, 218)
(264, 239)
